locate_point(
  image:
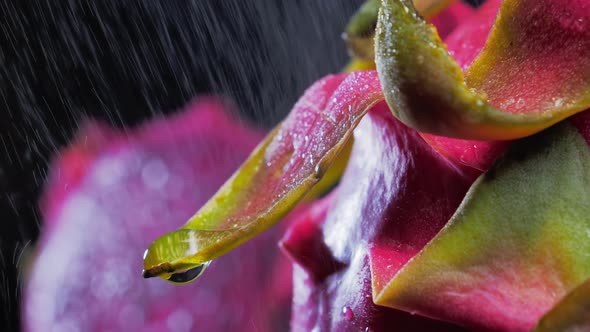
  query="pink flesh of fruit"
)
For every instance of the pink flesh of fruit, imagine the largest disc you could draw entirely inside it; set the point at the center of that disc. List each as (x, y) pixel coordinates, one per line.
(124, 190)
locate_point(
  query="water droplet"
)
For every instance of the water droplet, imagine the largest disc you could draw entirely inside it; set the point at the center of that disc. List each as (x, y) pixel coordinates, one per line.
(348, 314)
(520, 103)
(509, 102)
(558, 102)
(420, 59)
(189, 275)
(317, 171)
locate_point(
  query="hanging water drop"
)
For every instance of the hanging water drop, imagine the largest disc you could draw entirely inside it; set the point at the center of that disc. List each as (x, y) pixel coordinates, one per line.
(189, 275)
(348, 313)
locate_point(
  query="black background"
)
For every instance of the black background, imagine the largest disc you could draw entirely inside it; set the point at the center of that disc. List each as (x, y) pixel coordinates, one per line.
(124, 61)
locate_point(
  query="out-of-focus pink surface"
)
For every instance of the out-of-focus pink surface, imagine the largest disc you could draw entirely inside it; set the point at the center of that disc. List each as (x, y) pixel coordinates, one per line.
(394, 197)
(113, 192)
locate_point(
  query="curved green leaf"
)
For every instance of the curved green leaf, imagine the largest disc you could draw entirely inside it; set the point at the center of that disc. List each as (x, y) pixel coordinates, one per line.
(360, 30)
(277, 175)
(515, 246)
(533, 72)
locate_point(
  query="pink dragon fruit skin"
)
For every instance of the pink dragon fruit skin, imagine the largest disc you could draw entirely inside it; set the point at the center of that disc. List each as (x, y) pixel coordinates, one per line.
(394, 179)
(110, 194)
(358, 238)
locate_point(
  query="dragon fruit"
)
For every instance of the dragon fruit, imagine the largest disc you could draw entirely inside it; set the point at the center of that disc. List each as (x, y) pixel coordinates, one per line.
(464, 203)
(109, 194)
(378, 218)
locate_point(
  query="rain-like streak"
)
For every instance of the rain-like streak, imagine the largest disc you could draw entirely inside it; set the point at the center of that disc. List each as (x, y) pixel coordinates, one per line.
(125, 61)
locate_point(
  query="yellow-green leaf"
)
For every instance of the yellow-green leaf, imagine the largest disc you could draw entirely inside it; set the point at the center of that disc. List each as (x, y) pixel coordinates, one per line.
(278, 174)
(360, 30)
(533, 72)
(516, 245)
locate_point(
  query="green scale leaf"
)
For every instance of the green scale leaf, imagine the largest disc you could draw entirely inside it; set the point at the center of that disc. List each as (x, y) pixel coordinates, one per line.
(516, 245)
(278, 174)
(533, 72)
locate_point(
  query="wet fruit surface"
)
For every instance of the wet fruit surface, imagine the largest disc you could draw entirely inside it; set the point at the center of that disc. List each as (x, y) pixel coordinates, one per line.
(395, 195)
(133, 187)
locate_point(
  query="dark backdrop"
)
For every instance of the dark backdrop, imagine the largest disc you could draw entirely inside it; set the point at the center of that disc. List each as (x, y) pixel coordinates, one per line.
(123, 61)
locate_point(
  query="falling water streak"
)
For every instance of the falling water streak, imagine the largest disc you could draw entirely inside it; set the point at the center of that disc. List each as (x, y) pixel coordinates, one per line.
(124, 61)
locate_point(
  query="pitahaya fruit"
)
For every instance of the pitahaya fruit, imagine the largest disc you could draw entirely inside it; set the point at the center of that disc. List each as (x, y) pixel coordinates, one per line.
(465, 202)
(110, 193)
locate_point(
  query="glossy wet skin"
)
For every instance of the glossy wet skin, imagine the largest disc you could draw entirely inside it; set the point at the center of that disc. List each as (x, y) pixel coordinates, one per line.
(284, 168)
(331, 300)
(390, 182)
(281, 171)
